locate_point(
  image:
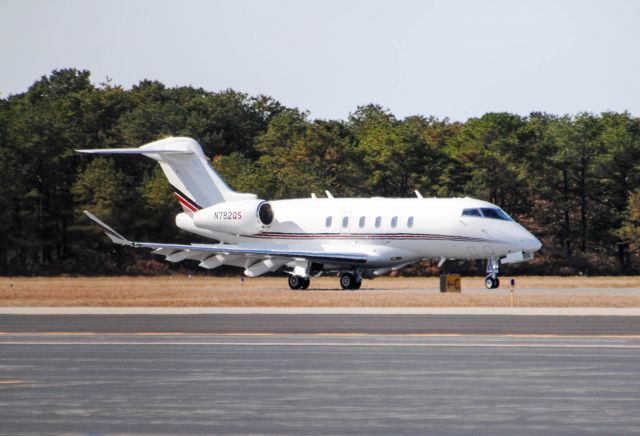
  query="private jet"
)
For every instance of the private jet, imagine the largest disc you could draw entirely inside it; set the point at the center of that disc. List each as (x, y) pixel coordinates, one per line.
(354, 238)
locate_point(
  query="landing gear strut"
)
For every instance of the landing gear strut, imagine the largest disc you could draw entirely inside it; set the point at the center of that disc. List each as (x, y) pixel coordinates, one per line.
(350, 281)
(491, 281)
(298, 282)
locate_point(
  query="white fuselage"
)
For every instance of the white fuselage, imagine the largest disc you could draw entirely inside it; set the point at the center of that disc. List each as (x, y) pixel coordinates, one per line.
(388, 231)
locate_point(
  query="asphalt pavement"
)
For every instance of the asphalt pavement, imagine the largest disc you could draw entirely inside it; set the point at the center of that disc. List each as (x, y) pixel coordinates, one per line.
(318, 384)
(319, 372)
(276, 323)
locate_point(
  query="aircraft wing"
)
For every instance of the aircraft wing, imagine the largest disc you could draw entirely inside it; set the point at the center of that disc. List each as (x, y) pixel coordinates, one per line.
(213, 255)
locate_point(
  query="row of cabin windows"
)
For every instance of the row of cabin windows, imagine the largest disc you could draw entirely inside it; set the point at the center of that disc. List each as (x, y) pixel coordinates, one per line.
(362, 222)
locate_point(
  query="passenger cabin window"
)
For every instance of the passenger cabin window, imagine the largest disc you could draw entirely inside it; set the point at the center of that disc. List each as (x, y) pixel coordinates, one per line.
(394, 221)
(345, 222)
(378, 221)
(410, 222)
(327, 222)
(361, 223)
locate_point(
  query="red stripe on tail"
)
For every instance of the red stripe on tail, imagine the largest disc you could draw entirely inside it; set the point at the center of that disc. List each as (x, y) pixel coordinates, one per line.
(186, 204)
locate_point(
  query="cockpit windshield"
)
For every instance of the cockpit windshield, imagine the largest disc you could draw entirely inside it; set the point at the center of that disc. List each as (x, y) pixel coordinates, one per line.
(471, 212)
(487, 212)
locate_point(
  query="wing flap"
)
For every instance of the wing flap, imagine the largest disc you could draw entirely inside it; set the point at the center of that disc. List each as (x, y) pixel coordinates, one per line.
(226, 249)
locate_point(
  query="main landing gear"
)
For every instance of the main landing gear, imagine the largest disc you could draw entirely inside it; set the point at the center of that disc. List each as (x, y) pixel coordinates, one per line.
(297, 282)
(350, 280)
(491, 281)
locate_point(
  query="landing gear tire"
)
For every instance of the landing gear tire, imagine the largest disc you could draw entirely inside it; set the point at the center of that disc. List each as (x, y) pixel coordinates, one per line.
(348, 281)
(306, 282)
(297, 282)
(357, 284)
(491, 282)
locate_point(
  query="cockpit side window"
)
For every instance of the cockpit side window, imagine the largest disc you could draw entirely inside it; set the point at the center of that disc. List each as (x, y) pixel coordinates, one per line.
(504, 215)
(471, 212)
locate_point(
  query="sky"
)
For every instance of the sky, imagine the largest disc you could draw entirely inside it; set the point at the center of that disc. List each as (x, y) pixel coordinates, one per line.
(451, 59)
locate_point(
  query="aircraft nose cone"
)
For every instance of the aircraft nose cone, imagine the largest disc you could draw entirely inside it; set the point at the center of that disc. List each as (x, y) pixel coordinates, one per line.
(531, 244)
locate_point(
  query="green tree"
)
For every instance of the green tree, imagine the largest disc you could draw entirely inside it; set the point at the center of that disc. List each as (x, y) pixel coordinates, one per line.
(395, 157)
(573, 180)
(629, 232)
(489, 156)
(44, 125)
(299, 157)
(10, 180)
(103, 189)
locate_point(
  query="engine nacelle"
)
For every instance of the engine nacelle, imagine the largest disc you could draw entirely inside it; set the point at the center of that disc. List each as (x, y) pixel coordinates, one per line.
(244, 217)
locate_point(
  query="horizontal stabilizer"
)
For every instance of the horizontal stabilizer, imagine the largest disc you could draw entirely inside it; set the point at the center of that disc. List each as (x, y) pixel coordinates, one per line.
(135, 150)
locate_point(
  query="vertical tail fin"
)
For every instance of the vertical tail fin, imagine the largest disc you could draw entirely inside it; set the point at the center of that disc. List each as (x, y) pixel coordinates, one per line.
(195, 183)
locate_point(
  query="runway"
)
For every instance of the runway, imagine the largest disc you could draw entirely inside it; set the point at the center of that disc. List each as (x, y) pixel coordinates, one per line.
(318, 384)
(319, 373)
(324, 323)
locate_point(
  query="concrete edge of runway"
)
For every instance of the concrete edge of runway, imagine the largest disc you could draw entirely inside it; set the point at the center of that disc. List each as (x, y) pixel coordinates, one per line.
(504, 311)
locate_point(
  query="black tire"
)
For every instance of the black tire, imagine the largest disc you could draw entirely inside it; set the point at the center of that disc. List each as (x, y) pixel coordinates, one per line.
(306, 282)
(358, 284)
(347, 281)
(295, 282)
(490, 282)
(497, 285)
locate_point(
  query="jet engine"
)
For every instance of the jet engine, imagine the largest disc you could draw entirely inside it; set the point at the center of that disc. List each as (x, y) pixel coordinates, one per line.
(244, 217)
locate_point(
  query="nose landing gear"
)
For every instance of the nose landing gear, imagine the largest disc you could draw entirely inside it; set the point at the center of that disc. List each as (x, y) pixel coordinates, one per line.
(491, 281)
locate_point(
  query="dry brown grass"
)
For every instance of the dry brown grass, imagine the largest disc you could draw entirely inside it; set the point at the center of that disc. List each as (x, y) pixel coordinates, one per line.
(183, 291)
(553, 282)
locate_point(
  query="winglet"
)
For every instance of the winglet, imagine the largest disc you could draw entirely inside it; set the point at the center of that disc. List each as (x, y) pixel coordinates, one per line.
(116, 237)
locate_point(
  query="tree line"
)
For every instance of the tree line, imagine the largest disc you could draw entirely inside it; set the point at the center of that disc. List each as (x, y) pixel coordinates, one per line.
(573, 180)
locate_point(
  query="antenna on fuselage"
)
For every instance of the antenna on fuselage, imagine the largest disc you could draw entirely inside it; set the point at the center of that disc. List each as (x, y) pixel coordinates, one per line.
(328, 194)
(418, 194)
(313, 195)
